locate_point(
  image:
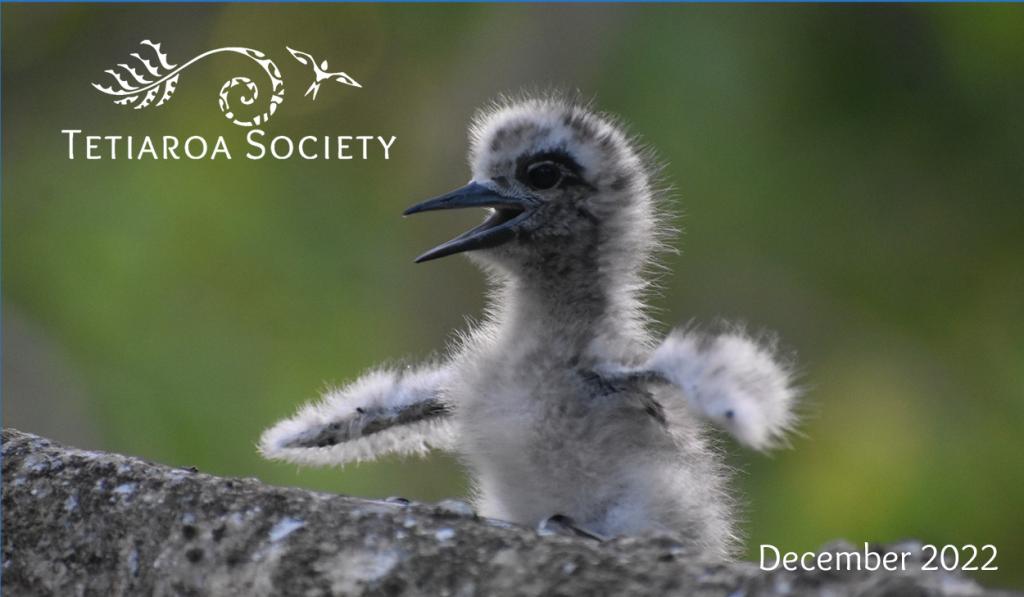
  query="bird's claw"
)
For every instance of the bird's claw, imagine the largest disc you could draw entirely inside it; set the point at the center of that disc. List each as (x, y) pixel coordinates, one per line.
(563, 525)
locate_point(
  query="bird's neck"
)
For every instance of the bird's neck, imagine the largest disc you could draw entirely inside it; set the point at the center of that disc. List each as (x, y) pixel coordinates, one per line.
(582, 317)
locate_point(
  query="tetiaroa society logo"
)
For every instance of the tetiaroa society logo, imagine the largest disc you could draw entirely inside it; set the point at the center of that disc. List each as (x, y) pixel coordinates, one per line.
(149, 78)
(154, 77)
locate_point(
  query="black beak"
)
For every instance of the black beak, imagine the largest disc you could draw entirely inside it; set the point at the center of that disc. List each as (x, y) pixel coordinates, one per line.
(499, 227)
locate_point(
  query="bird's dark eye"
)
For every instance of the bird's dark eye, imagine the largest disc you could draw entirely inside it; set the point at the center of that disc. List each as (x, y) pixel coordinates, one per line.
(543, 175)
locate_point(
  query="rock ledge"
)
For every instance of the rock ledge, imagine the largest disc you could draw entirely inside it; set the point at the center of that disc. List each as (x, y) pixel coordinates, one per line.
(90, 523)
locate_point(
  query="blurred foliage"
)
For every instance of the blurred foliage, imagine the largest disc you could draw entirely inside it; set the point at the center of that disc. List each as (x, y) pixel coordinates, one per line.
(850, 176)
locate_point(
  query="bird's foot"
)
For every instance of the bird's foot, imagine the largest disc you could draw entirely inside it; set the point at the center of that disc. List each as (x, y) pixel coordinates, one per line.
(560, 524)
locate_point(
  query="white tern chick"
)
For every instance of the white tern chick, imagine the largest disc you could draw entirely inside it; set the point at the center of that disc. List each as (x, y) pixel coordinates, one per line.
(562, 403)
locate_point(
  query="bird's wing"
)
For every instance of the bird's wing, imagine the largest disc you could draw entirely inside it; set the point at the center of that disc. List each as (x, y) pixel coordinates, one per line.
(735, 381)
(302, 57)
(385, 411)
(343, 78)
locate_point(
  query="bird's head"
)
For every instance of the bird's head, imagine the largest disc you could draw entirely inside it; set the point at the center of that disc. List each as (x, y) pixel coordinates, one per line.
(565, 188)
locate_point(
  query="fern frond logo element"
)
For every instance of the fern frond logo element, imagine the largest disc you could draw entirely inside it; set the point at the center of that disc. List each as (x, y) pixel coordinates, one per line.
(150, 79)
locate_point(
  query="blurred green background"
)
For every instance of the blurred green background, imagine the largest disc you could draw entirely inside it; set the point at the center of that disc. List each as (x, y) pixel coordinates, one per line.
(851, 177)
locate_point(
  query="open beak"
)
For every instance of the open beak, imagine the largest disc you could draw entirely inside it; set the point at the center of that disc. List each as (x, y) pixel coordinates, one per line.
(500, 226)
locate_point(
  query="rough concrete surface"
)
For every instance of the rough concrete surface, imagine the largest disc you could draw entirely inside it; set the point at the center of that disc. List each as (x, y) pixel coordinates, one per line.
(90, 523)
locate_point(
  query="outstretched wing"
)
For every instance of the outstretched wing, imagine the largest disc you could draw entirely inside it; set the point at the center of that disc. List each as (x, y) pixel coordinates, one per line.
(733, 380)
(302, 57)
(343, 78)
(385, 411)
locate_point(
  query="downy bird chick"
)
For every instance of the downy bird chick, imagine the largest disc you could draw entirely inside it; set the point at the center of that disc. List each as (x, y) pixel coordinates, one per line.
(561, 403)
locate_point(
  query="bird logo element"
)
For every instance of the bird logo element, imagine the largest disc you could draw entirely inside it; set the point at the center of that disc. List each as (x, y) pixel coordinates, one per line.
(320, 72)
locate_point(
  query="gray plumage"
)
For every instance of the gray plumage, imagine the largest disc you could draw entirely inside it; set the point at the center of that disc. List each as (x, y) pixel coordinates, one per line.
(562, 402)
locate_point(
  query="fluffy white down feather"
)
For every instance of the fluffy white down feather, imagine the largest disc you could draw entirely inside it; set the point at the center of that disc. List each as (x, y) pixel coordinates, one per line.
(732, 380)
(385, 388)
